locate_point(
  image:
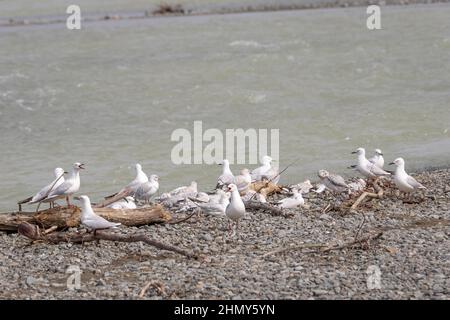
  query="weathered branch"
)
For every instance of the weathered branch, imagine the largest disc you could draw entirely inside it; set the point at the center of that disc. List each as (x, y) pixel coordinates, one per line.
(63, 217)
(378, 195)
(32, 232)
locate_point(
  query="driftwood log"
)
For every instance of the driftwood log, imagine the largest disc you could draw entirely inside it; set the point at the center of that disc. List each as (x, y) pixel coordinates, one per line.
(63, 217)
(32, 232)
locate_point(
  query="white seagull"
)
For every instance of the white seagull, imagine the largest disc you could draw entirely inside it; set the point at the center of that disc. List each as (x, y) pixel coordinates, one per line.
(226, 177)
(43, 193)
(402, 180)
(292, 202)
(243, 181)
(123, 204)
(214, 207)
(146, 190)
(367, 168)
(378, 159)
(91, 220)
(132, 187)
(262, 171)
(236, 208)
(185, 190)
(68, 187)
(332, 182)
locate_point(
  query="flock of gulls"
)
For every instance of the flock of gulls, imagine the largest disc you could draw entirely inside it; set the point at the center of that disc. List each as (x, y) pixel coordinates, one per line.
(231, 192)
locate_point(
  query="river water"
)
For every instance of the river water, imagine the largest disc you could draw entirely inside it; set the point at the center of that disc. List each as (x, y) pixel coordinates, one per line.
(112, 93)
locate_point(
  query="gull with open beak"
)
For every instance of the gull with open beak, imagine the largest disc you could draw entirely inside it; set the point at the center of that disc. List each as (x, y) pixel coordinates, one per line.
(91, 220)
(70, 186)
(236, 208)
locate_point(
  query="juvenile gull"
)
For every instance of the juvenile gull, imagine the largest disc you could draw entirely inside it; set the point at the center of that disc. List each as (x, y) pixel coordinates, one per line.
(333, 182)
(68, 187)
(365, 167)
(243, 181)
(123, 204)
(226, 177)
(292, 202)
(378, 159)
(236, 208)
(404, 181)
(91, 220)
(262, 171)
(146, 190)
(42, 194)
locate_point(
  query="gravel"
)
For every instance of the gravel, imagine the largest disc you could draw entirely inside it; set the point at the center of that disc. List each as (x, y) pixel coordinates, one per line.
(411, 257)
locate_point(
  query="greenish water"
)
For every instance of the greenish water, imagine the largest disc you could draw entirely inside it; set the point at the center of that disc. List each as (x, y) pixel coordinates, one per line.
(111, 94)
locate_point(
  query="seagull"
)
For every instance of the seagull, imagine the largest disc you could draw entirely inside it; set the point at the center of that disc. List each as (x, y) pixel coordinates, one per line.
(123, 204)
(333, 182)
(273, 175)
(292, 202)
(226, 177)
(243, 181)
(132, 187)
(252, 195)
(402, 180)
(146, 190)
(365, 167)
(185, 190)
(358, 185)
(68, 187)
(216, 208)
(378, 159)
(236, 208)
(258, 173)
(42, 194)
(91, 220)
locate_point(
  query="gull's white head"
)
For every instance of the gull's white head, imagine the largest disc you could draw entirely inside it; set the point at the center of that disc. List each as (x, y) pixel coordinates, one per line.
(360, 151)
(378, 152)
(398, 162)
(194, 184)
(224, 162)
(266, 160)
(232, 187)
(323, 174)
(138, 167)
(85, 201)
(77, 166)
(154, 177)
(59, 172)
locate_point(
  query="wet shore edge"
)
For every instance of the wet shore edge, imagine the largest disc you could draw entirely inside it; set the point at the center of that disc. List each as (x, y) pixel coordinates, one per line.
(171, 10)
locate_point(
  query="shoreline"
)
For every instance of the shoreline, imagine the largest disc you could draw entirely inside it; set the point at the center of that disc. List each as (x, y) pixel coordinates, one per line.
(178, 10)
(411, 255)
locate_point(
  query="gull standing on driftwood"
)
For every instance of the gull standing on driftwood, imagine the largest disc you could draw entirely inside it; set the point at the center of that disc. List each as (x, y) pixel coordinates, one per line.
(146, 190)
(333, 182)
(236, 208)
(226, 177)
(378, 159)
(44, 192)
(367, 168)
(404, 181)
(292, 202)
(70, 186)
(132, 187)
(91, 220)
